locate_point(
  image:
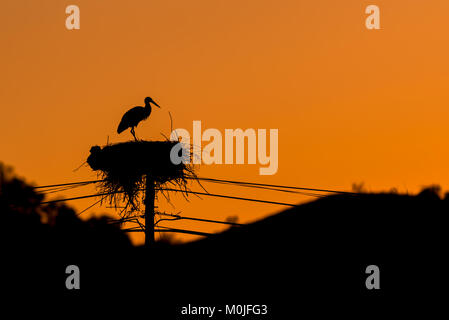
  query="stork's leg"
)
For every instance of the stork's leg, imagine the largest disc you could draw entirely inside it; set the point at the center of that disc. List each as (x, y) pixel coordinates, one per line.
(133, 133)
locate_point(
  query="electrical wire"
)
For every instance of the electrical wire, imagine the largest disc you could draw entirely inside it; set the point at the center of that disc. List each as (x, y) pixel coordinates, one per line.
(269, 185)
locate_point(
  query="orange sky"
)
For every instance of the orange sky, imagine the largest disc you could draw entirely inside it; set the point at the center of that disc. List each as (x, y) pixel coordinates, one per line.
(351, 104)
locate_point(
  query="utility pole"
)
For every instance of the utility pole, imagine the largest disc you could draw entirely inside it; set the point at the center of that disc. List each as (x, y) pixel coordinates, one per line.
(150, 194)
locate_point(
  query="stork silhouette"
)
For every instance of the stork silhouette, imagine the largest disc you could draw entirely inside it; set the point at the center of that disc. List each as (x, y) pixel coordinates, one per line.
(133, 116)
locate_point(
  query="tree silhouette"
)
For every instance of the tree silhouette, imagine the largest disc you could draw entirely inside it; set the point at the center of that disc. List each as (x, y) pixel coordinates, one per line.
(27, 224)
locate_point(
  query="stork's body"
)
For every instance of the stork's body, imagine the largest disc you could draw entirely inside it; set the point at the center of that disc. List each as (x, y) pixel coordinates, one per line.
(133, 116)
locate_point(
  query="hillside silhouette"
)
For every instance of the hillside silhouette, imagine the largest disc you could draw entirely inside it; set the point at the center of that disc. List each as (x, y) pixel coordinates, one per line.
(319, 251)
(316, 251)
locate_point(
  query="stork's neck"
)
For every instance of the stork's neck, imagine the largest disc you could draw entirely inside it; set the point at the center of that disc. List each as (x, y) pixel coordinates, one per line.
(147, 109)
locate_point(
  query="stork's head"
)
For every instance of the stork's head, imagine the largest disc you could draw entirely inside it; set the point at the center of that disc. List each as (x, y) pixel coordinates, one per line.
(148, 100)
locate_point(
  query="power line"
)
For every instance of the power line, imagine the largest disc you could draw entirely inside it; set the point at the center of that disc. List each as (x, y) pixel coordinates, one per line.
(241, 183)
(59, 189)
(67, 184)
(176, 217)
(267, 188)
(199, 219)
(269, 185)
(92, 205)
(82, 197)
(177, 190)
(229, 197)
(192, 232)
(162, 229)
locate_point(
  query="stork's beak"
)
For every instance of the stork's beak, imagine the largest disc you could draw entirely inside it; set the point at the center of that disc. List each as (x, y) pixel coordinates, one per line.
(156, 104)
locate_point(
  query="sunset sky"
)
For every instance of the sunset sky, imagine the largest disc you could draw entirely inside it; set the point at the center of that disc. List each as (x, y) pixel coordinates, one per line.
(352, 105)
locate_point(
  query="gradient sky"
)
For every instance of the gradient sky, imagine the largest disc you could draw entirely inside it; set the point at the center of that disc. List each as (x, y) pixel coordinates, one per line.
(351, 104)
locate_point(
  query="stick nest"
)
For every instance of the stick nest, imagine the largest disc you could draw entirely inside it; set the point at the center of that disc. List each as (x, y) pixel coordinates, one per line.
(123, 167)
